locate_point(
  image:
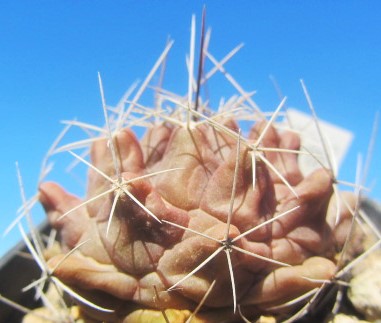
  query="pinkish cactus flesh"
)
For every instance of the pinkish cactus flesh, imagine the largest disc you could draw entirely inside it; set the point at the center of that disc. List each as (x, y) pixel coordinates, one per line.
(285, 257)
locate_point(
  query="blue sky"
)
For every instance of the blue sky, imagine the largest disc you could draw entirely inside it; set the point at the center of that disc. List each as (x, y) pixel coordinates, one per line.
(51, 51)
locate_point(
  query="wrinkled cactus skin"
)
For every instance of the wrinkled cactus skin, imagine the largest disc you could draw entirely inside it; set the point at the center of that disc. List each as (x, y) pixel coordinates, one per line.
(120, 270)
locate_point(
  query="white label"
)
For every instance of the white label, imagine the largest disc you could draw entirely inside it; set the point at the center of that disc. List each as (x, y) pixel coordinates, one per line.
(337, 141)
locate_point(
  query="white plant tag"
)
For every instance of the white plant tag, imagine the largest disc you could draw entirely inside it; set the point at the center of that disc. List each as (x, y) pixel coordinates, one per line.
(337, 139)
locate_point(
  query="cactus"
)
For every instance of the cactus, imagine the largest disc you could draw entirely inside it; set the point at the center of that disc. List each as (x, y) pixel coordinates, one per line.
(198, 220)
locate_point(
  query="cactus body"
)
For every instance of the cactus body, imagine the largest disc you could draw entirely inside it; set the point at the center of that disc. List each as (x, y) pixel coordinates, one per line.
(139, 258)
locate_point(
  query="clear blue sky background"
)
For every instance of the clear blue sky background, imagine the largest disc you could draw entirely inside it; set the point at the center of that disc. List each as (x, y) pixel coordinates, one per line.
(51, 51)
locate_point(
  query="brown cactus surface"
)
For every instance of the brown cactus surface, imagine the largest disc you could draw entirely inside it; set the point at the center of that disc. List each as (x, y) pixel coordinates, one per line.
(274, 243)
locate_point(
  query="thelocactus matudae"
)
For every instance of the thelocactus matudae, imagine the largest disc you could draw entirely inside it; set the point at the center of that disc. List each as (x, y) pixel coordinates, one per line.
(279, 240)
(196, 213)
